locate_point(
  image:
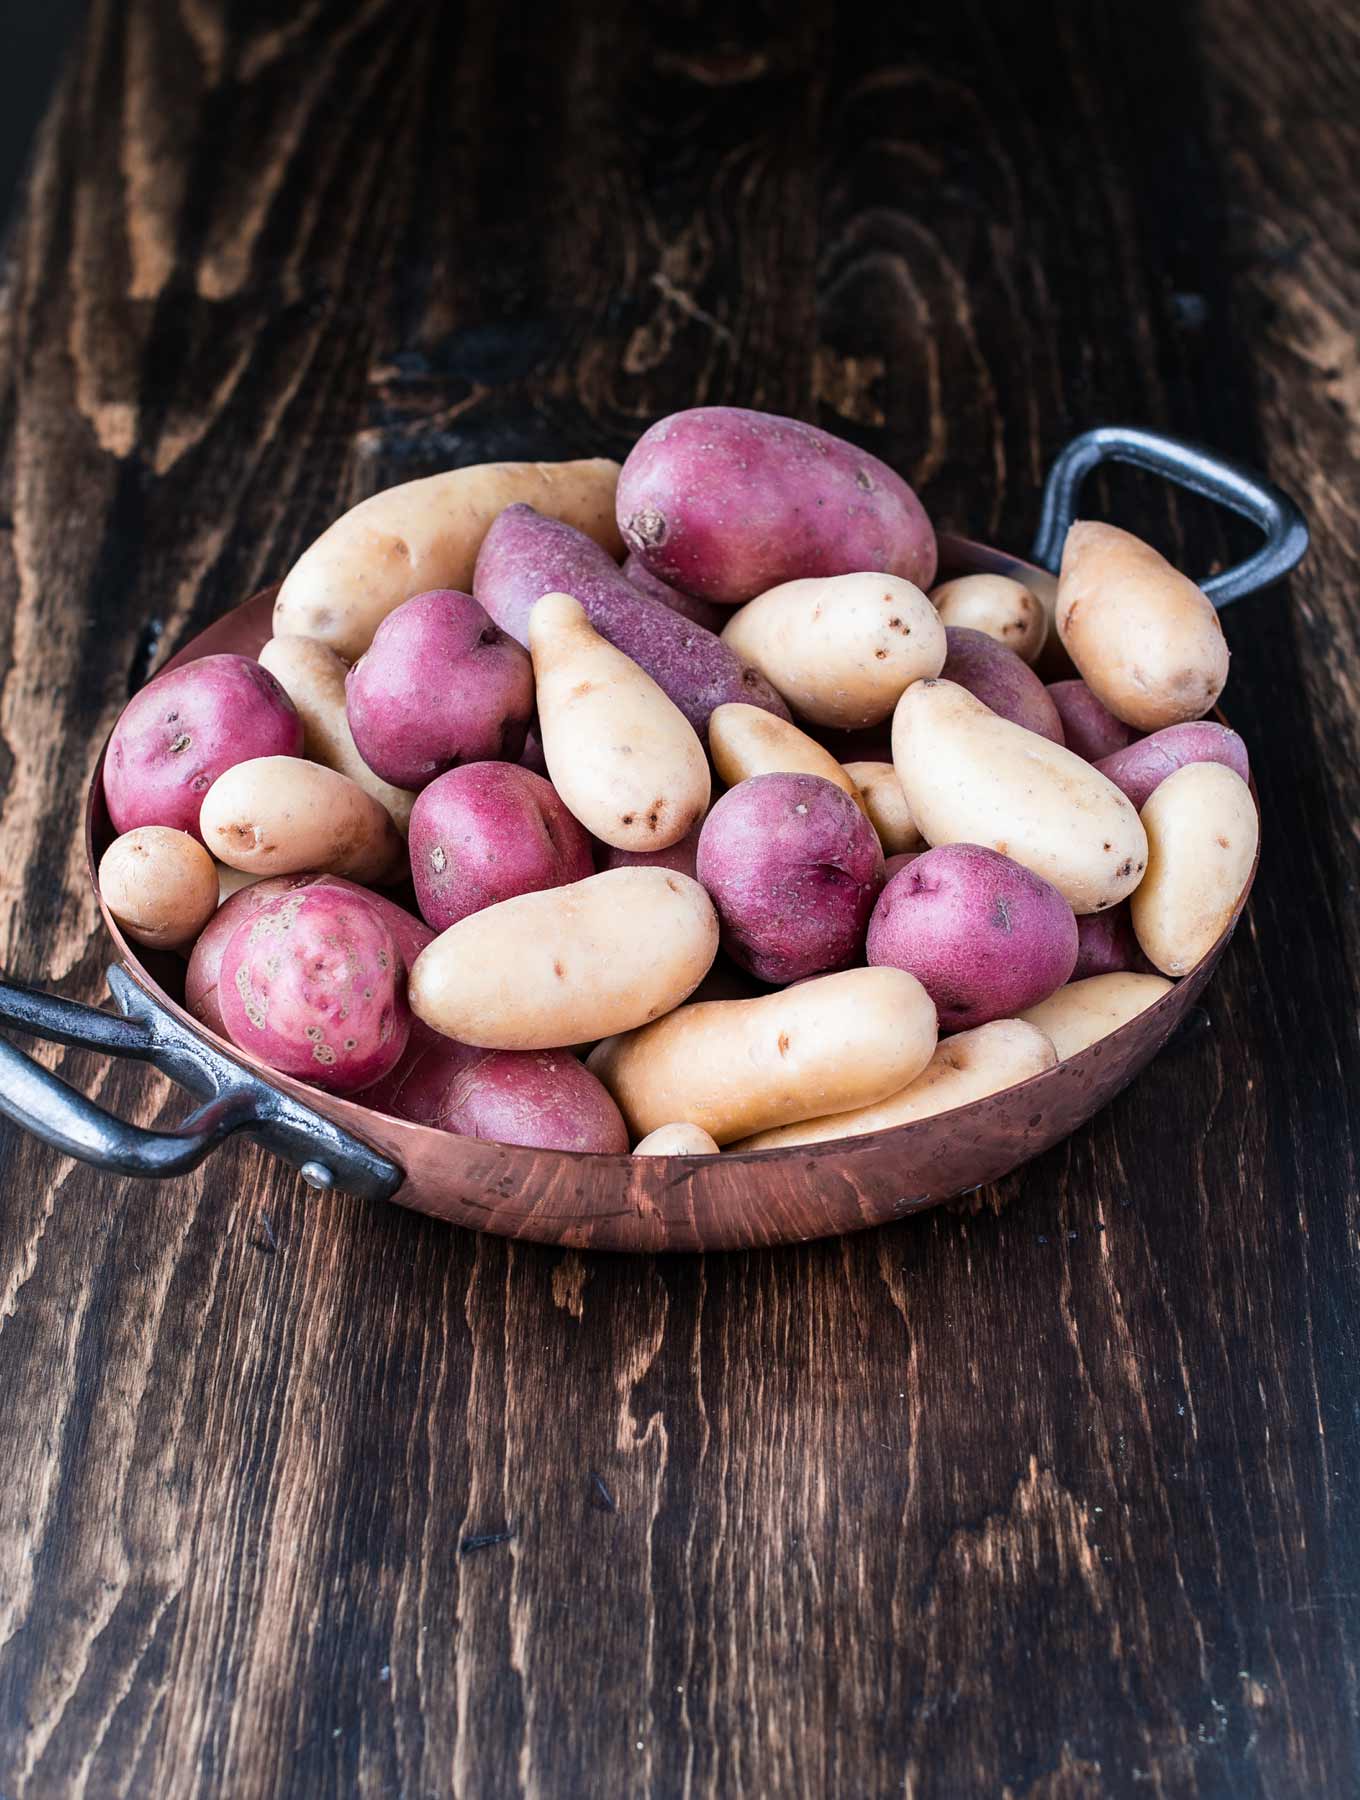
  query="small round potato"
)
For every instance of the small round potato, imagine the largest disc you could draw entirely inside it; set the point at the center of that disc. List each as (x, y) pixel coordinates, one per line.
(279, 815)
(881, 796)
(744, 741)
(997, 605)
(842, 648)
(677, 1140)
(963, 1069)
(160, 885)
(1202, 832)
(1083, 1012)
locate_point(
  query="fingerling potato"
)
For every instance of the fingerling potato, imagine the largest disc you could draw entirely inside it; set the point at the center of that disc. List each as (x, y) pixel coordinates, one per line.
(676, 1140)
(744, 741)
(882, 798)
(1202, 833)
(1083, 1012)
(279, 815)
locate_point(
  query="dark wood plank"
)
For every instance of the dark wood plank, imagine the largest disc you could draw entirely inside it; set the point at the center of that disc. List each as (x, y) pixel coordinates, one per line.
(1051, 1499)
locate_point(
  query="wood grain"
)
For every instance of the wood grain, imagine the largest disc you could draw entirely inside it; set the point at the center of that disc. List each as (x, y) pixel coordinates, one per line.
(1051, 1499)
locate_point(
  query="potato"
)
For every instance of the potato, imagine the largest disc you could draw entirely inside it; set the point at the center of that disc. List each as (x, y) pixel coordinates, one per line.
(737, 1066)
(1003, 683)
(972, 777)
(1142, 767)
(1202, 833)
(544, 1099)
(984, 936)
(313, 677)
(725, 503)
(702, 612)
(681, 856)
(278, 815)
(1146, 641)
(624, 759)
(160, 885)
(998, 606)
(487, 832)
(526, 556)
(1106, 944)
(1089, 727)
(743, 741)
(840, 649)
(893, 865)
(186, 728)
(964, 1069)
(231, 881)
(793, 868)
(568, 965)
(676, 1140)
(1083, 1012)
(881, 796)
(424, 535)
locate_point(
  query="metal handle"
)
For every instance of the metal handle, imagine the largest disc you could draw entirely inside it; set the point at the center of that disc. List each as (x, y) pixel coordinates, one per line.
(1191, 466)
(234, 1098)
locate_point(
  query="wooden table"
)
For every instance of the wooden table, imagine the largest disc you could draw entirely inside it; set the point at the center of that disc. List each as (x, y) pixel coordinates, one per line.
(1053, 1497)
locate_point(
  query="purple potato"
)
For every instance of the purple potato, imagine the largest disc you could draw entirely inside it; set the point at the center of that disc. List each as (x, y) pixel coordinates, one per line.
(702, 612)
(1106, 945)
(1090, 729)
(1144, 766)
(998, 677)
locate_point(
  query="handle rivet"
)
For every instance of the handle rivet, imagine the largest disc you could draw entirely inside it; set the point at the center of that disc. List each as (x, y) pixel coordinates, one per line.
(317, 1175)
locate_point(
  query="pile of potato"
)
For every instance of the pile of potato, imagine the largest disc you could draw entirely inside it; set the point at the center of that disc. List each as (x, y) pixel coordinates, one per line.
(753, 838)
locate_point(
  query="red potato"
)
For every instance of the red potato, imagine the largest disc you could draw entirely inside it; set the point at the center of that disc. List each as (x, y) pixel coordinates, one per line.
(984, 936)
(793, 867)
(184, 729)
(1001, 680)
(486, 832)
(313, 984)
(702, 612)
(892, 865)
(440, 684)
(725, 503)
(525, 556)
(1106, 945)
(545, 1099)
(1144, 766)
(681, 856)
(1089, 727)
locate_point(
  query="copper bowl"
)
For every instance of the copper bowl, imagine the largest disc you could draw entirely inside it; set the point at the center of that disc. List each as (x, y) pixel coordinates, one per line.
(723, 1202)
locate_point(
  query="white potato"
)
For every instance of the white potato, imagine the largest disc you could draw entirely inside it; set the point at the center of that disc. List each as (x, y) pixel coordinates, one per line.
(1202, 831)
(1146, 640)
(840, 648)
(971, 777)
(1000, 606)
(281, 815)
(881, 795)
(1085, 1011)
(624, 758)
(160, 885)
(676, 1140)
(738, 1066)
(745, 741)
(964, 1068)
(568, 965)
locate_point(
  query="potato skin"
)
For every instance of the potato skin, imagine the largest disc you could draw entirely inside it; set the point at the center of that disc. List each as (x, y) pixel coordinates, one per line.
(840, 648)
(160, 885)
(984, 936)
(1089, 727)
(569, 965)
(1144, 638)
(737, 1066)
(1006, 685)
(998, 606)
(186, 728)
(1106, 945)
(972, 777)
(1140, 769)
(702, 612)
(744, 742)
(426, 534)
(676, 1140)
(682, 856)
(1202, 832)
(486, 832)
(440, 684)
(724, 503)
(964, 1069)
(794, 869)
(526, 556)
(884, 802)
(278, 815)
(311, 983)
(1083, 1012)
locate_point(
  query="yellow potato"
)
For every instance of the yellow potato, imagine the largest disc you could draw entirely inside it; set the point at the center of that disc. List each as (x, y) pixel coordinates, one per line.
(1202, 831)
(426, 534)
(964, 1068)
(160, 885)
(624, 758)
(313, 677)
(881, 794)
(1085, 1011)
(1146, 640)
(280, 815)
(840, 648)
(971, 777)
(677, 1140)
(738, 1066)
(1003, 608)
(570, 964)
(744, 741)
